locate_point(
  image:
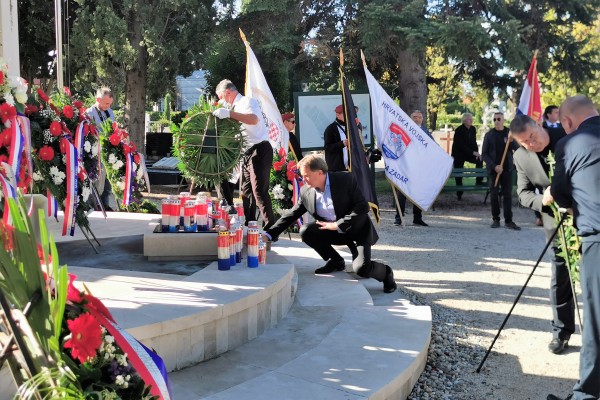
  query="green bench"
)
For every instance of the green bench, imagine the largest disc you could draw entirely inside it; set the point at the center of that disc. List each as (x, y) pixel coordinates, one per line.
(468, 186)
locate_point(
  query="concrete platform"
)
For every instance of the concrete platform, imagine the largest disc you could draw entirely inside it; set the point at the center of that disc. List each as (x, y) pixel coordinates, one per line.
(334, 343)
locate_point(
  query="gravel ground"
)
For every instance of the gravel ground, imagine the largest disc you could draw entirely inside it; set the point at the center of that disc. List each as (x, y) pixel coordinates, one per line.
(470, 275)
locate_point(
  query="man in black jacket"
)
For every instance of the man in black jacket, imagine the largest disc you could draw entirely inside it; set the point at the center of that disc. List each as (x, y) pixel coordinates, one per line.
(464, 148)
(575, 185)
(531, 162)
(492, 151)
(336, 142)
(341, 216)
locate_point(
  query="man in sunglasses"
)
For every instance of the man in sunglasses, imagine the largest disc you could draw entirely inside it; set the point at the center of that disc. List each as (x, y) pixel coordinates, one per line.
(289, 121)
(492, 152)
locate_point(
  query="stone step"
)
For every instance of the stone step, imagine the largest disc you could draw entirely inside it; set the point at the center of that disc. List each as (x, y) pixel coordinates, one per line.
(333, 344)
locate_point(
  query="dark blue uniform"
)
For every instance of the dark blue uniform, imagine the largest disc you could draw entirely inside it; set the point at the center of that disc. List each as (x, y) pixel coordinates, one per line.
(576, 184)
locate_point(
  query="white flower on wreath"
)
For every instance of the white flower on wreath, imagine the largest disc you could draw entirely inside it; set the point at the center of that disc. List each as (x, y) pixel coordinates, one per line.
(121, 185)
(87, 146)
(37, 176)
(111, 158)
(8, 97)
(95, 150)
(57, 176)
(117, 165)
(277, 192)
(85, 193)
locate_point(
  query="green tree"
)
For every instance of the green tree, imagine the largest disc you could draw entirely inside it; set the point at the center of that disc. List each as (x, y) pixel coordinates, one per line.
(140, 47)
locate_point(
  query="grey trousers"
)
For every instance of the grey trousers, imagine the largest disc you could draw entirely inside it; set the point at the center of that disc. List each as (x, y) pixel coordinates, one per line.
(588, 386)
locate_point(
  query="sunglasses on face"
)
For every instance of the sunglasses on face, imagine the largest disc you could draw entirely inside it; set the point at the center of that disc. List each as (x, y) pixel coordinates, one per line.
(497, 119)
(291, 121)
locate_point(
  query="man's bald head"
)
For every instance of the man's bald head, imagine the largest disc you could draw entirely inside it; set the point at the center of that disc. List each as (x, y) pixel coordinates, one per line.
(574, 110)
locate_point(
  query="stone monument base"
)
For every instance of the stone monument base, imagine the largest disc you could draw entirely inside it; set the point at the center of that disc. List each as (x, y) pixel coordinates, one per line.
(159, 246)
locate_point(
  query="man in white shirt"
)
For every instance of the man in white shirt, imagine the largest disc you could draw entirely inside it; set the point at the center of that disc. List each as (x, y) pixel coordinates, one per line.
(257, 160)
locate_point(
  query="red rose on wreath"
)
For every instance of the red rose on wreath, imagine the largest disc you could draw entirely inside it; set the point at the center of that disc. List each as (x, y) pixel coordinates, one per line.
(126, 148)
(291, 171)
(73, 294)
(114, 139)
(68, 111)
(67, 91)
(278, 164)
(30, 109)
(136, 158)
(55, 128)
(77, 104)
(46, 153)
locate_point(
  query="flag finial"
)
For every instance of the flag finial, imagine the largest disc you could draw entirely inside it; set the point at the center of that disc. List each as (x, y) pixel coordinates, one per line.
(243, 36)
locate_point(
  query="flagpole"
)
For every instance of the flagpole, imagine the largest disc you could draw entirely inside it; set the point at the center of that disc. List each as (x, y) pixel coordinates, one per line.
(345, 111)
(397, 204)
(508, 140)
(58, 36)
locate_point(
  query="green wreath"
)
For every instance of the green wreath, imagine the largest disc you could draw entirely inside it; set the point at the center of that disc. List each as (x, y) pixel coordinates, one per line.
(208, 148)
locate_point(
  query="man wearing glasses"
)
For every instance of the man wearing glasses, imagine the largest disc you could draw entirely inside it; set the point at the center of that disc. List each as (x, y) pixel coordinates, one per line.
(531, 162)
(289, 121)
(492, 151)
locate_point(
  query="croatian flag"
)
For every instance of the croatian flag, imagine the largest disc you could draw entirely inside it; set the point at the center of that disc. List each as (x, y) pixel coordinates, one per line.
(258, 89)
(530, 102)
(414, 163)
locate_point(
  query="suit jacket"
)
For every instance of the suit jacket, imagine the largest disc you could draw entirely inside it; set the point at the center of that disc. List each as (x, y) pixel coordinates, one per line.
(489, 151)
(464, 143)
(351, 209)
(531, 175)
(552, 130)
(576, 177)
(334, 147)
(294, 144)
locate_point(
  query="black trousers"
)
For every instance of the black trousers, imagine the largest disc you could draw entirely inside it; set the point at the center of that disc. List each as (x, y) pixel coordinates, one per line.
(588, 386)
(321, 241)
(561, 294)
(256, 169)
(417, 213)
(504, 187)
(227, 189)
(461, 164)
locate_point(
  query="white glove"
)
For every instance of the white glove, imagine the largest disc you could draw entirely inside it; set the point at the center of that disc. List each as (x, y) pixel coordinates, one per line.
(221, 113)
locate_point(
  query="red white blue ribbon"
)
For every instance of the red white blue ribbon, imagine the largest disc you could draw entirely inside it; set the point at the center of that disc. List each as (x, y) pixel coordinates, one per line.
(16, 148)
(143, 165)
(25, 126)
(9, 192)
(71, 199)
(52, 205)
(147, 363)
(128, 180)
(80, 138)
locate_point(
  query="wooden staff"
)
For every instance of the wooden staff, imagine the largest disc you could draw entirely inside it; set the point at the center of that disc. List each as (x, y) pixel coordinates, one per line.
(508, 140)
(397, 204)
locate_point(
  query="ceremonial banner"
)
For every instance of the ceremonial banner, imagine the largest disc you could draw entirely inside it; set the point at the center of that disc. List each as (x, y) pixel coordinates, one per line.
(530, 103)
(257, 88)
(358, 164)
(414, 163)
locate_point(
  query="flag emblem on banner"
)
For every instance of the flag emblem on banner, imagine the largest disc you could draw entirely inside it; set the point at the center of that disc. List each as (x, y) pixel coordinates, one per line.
(399, 139)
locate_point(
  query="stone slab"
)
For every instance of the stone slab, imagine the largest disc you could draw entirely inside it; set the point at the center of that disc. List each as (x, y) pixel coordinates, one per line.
(179, 246)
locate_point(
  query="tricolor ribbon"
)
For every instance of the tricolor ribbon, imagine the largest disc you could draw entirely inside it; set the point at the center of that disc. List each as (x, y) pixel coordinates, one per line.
(25, 126)
(16, 148)
(143, 165)
(71, 199)
(128, 180)
(80, 138)
(52, 205)
(147, 363)
(9, 192)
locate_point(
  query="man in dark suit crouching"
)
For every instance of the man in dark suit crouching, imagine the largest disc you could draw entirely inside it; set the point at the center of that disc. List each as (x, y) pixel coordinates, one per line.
(341, 216)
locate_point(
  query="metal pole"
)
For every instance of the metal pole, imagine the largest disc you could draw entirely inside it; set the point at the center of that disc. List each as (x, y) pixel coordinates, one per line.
(487, 353)
(59, 44)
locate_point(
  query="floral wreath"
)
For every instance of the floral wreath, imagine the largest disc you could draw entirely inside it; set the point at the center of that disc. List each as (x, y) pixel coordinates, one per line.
(58, 123)
(125, 167)
(284, 183)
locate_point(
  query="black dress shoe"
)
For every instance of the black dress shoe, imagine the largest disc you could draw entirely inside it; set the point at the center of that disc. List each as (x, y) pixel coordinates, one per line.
(553, 397)
(389, 284)
(331, 266)
(420, 222)
(558, 345)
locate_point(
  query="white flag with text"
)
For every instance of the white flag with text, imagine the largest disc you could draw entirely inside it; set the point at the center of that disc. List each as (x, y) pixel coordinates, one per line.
(414, 162)
(257, 88)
